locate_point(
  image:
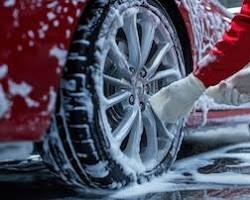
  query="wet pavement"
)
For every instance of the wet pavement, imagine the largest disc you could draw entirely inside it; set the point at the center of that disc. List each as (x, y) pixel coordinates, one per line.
(217, 173)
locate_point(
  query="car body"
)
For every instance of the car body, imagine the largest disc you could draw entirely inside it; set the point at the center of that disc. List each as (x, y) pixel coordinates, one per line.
(35, 37)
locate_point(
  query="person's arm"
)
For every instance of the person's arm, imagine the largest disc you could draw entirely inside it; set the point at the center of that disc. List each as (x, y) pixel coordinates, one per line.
(230, 54)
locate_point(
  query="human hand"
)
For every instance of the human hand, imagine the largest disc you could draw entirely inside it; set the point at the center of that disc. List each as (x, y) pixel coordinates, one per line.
(233, 91)
(176, 100)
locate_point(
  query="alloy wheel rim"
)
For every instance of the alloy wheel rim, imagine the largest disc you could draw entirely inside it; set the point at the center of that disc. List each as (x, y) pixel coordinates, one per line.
(141, 60)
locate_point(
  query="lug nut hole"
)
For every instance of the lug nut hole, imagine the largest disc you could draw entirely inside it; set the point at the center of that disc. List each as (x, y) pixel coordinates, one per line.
(143, 73)
(142, 105)
(132, 100)
(132, 69)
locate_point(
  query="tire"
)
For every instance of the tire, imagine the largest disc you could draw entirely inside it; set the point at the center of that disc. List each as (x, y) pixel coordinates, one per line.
(105, 86)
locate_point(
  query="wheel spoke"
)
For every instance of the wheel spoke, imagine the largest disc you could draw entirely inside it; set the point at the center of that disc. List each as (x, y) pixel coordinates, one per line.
(151, 132)
(131, 32)
(125, 125)
(117, 82)
(148, 33)
(133, 147)
(163, 132)
(157, 58)
(117, 98)
(164, 74)
(119, 59)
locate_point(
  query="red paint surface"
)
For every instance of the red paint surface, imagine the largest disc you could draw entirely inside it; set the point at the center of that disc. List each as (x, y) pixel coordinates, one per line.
(29, 60)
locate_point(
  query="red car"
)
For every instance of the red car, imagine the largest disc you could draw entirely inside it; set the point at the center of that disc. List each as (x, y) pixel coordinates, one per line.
(76, 75)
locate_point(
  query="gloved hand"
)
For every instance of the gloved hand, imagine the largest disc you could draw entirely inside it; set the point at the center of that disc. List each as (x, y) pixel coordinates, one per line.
(176, 100)
(233, 91)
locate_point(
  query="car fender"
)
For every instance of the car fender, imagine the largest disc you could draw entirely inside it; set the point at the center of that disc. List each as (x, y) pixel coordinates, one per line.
(35, 37)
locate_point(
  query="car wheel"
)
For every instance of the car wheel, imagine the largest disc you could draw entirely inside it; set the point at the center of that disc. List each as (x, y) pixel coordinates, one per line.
(104, 133)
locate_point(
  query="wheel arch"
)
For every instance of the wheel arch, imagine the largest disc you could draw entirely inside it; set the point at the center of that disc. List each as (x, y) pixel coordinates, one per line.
(184, 34)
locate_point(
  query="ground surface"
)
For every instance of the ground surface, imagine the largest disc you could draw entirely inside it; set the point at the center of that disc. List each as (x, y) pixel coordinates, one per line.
(222, 172)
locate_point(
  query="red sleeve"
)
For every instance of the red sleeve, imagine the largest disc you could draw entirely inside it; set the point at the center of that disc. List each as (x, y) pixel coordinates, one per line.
(230, 54)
